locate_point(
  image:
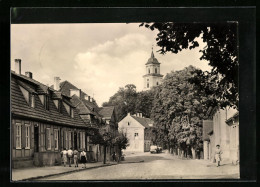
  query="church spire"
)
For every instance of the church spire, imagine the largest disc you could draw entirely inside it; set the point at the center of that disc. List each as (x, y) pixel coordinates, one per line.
(152, 55)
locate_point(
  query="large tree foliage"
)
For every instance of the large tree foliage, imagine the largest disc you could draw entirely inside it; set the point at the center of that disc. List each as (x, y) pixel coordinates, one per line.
(177, 99)
(221, 51)
(127, 99)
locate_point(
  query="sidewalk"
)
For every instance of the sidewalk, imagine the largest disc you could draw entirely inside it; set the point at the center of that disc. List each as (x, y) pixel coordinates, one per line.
(33, 173)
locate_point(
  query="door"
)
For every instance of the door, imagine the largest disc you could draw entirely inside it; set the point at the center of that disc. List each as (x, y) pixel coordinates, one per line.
(75, 140)
(36, 138)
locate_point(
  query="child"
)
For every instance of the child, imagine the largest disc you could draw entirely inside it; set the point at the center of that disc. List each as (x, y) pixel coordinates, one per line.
(218, 153)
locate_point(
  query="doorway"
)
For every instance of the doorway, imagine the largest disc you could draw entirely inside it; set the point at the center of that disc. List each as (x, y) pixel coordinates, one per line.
(75, 140)
(36, 138)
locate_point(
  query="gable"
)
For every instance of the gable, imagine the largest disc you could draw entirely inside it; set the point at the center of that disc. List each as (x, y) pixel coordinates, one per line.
(129, 122)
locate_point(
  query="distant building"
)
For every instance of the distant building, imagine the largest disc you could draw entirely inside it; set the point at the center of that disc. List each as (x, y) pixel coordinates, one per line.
(152, 77)
(222, 129)
(138, 130)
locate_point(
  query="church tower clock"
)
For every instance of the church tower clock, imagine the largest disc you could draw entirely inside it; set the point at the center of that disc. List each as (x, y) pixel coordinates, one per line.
(152, 77)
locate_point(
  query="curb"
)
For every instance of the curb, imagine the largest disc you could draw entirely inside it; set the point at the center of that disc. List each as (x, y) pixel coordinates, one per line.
(66, 172)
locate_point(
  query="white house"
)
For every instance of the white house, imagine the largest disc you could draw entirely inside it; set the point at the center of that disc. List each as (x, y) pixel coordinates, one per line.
(139, 132)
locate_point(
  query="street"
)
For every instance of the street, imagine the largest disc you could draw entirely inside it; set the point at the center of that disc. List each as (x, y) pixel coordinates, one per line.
(144, 166)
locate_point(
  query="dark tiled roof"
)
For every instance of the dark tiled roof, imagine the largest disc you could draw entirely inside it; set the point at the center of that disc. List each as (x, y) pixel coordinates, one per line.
(107, 111)
(65, 87)
(143, 121)
(20, 107)
(207, 128)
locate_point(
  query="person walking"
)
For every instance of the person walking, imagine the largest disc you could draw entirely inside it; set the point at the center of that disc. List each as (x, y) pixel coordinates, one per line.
(70, 155)
(64, 156)
(83, 158)
(218, 153)
(75, 157)
(114, 156)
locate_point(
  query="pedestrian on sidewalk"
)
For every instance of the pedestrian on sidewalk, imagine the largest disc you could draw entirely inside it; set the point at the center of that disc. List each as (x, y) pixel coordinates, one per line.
(218, 153)
(75, 156)
(70, 155)
(83, 158)
(64, 156)
(114, 156)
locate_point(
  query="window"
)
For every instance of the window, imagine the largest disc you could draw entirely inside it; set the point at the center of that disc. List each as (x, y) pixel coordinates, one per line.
(147, 79)
(67, 107)
(82, 140)
(149, 70)
(66, 139)
(32, 101)
(18, 136)
(56, 139)
(136, 134)
(48, 139)
(27, 136)
(71, 112)
(56, 102)
(155, 70)
(128, 123)
(69, 139)
(47, 102)
(147, 85)
(25, 94)
(157, 83)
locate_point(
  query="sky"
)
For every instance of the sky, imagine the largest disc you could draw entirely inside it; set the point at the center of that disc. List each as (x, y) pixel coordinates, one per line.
(98, 58)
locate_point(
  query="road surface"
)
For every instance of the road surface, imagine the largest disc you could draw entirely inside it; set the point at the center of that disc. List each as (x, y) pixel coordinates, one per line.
(144, 166)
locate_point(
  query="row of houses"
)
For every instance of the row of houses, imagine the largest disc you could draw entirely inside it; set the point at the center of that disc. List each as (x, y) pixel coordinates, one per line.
(46, 119)
(222, 129)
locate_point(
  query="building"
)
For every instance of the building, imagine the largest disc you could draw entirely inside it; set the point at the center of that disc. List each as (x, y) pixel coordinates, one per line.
(138, 130)
(222, 129)
(43, 122)
(93, 115)
(152, 77)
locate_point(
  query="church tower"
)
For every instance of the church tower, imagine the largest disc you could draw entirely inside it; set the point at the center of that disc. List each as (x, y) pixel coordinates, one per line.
(152, 76)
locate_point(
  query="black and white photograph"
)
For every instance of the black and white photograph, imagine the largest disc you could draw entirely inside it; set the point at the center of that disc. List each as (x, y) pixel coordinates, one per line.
(124, 101)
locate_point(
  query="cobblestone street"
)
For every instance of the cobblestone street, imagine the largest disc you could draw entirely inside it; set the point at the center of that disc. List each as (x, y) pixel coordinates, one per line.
(155, 166)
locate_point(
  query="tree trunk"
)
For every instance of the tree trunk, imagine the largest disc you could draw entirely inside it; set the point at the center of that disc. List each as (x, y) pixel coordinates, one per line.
(105, 151)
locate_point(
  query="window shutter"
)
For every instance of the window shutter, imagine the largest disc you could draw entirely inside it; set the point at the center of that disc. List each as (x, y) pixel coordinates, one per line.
(23, 134)
(64, 139)
(46, 132)
(59, 140)
(79, 144)
(14, 135)
(31, 136)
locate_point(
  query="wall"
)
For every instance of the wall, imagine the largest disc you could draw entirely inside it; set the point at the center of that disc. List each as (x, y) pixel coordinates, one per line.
(136, 144)
(26, 157)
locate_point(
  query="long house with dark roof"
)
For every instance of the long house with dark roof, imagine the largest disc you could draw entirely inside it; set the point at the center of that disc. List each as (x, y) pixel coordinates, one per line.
(43, 122)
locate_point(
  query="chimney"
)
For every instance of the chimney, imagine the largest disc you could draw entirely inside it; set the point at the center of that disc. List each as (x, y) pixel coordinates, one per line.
(29, 74)
(56, 83)
(88, 98)
(17, 66)
(141, 115)
(137, 114)
(128, 113)
(91, 99)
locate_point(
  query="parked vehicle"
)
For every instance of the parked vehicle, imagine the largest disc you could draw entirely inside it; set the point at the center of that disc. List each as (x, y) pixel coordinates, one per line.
(153, 149)
(159, 149)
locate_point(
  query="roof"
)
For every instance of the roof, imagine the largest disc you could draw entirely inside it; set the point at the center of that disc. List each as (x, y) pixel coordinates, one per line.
(232, 117)
(106, 112)
(65, 87)
(143, 121)
(207, 128)
(152, 60)
(20, 107)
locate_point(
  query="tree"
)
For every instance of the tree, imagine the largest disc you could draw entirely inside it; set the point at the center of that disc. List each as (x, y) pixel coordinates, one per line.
(104, 138)
(221, 51)
(121, 141)
(178, 109)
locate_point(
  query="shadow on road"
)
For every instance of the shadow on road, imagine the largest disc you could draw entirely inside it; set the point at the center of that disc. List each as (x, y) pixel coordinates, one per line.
(145, 158)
